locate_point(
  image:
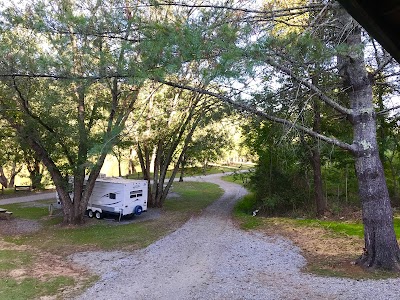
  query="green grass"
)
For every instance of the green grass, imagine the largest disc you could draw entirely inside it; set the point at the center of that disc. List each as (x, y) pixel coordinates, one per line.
(239, 178)
(11, 193)
(347, 228)
(31, 288)
(194, 196)
(103, 234)
(230, 178)
(7, 192)
(28, 210)
(98, 236)
(12, 259)
(243, 212)
(396, 222)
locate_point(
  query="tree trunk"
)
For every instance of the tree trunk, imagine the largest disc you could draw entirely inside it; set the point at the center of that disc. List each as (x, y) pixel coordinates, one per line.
(144, 159)
(13, 174)
(119, 160)
(158, 175)
(320, 201)
(183, 162)
(35, 173)
(381, 247)
(9, 183)
(3, 178)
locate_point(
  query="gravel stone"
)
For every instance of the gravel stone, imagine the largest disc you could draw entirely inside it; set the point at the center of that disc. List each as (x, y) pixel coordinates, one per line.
(210, 258)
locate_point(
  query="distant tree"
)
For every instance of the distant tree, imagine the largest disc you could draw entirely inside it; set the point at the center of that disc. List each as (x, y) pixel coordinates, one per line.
(208, 145)
(172, 118)
(120, 151)
(35, 168)
(11, 156)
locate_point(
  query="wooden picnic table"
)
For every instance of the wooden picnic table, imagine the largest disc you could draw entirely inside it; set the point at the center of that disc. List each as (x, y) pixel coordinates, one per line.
(5, 214)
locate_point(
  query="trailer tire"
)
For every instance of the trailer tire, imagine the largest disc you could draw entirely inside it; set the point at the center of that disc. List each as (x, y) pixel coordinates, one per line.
(98, 215)
(90, 213)
(138, 210)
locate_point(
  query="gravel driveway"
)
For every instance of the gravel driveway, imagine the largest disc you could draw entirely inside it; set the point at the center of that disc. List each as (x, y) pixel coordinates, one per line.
(209, 258)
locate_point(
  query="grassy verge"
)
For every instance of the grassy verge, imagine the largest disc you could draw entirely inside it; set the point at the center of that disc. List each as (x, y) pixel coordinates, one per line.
(32, 288)
(30, 210)
(243, 212)
(11, 193)
(329, 246)
(239, 178)
(53, 242)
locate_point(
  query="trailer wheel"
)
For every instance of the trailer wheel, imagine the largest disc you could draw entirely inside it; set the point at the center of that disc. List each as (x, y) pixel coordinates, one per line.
(98, 215)
(138, 210)
(90, 213)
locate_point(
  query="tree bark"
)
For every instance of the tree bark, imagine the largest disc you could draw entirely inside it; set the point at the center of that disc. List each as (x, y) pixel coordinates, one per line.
(381, 247)
(14, 172)
(183, 163)
(3, 178)
(319, 199)
(35, 172)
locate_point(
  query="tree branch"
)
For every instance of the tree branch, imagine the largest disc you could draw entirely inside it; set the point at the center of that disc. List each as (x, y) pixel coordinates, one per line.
(253, 110)
(24, 104)
(274, 12)
(312, 87)
(385, 111)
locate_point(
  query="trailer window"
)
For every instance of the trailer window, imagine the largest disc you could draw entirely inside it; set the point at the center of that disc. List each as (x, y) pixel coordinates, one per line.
(136, 194)
(113, 196)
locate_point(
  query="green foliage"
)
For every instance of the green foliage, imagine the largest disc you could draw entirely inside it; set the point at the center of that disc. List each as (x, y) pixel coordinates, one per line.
(246, 205)
(208, 145)
(243, 211)
(242, 178)
(278, 180)
(340, 181)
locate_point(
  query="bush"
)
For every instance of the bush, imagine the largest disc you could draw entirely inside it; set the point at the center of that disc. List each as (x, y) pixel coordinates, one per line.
(246, 205)
(279, 190)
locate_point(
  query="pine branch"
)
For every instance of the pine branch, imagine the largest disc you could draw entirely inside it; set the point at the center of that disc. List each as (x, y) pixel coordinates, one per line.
(274, 12)
(385, 111)
(311, 86)
(255, 111)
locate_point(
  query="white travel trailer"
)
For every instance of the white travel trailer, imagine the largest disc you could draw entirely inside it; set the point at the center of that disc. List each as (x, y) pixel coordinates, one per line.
(118, 196)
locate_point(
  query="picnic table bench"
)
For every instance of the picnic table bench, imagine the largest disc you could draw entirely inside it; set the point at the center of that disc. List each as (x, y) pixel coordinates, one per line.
(5, 214)
(22, 188)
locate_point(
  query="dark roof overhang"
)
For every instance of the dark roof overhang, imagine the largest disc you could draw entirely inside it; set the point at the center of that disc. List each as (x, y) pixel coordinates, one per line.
(381, 19)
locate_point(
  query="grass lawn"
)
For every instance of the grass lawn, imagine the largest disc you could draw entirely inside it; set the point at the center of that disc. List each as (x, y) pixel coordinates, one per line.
(48, 247)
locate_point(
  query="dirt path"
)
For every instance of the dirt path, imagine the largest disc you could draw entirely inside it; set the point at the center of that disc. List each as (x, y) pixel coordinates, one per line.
(209, 258)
